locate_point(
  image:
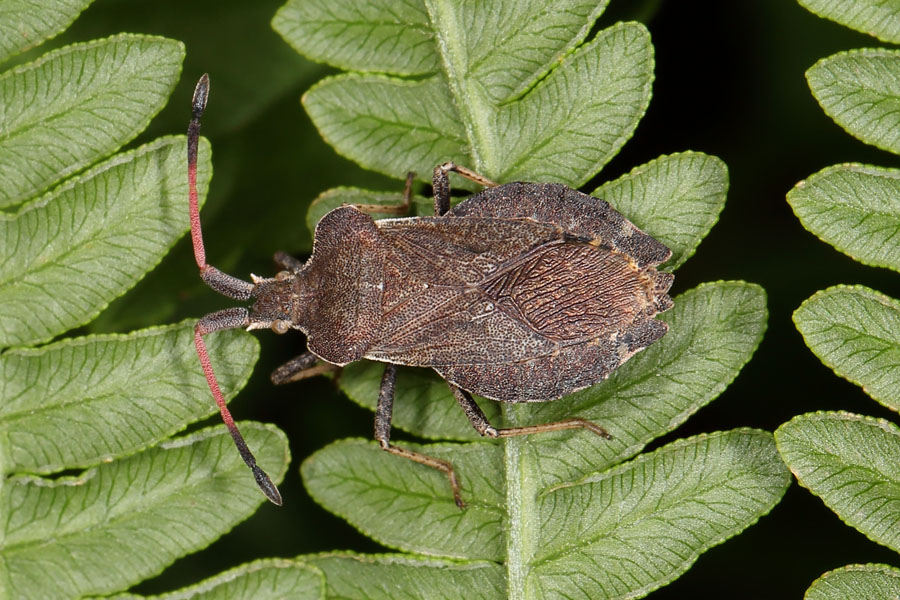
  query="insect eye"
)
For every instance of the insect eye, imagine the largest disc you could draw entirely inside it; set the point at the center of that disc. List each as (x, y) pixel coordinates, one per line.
(280, 326)
(282, 276)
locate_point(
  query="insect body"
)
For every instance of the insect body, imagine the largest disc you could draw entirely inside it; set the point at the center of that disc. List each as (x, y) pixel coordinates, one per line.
(524, 292)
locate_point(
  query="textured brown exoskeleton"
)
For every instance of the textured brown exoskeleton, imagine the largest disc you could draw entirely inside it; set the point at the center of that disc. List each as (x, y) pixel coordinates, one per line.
(524, 292)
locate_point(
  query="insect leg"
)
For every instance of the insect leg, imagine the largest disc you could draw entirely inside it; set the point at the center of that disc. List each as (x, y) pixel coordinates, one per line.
(440, 182)
(230, 318)
(402, 208)
(383, 413)
(474, 412)
(301, 367)
(482, 426)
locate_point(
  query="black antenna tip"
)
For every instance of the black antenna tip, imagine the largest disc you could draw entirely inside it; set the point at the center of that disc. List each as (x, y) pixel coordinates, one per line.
(265, 484)
(201, 93)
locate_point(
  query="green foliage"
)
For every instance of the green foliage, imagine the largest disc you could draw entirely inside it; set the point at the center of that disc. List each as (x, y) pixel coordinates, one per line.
(860, 90)
(856, 332)
(845, 459)
(140, 388)
(875, 17)
(270, 579)
(57, 121)
(855, 208)
(517, 92)
(675, 198)
(23, 25)
(126, 520)
(851, 462)
(94, 498)
(106, 228)
(646, 521)
(856, 581)
(390, 576)
(96, 492)
(506, 88)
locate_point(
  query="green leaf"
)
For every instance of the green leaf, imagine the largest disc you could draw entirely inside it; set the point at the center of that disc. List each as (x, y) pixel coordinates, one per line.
(860, 90)
(516, 94)
(855, 208)
(852, 463)
(391, 576)
(645, 521)
(874, 17)
(388, 125)
(273, 578)
(873, 582)
(648, 520)
(676, 199)
(25, 24)
(138, 389)
(399, 38)
(856, 331)
(78, 104)
(68, 254)
(405, 505)
(381, 36)
(124, 521)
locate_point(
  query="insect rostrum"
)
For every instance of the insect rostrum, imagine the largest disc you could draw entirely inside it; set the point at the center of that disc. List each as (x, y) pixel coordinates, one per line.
(524, 292)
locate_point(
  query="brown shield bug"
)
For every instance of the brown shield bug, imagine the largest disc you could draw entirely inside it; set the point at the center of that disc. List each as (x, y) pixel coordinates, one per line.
(524, 292)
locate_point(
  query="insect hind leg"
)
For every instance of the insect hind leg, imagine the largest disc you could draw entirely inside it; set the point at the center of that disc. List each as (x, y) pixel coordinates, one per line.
(483, 426)
(400, 208)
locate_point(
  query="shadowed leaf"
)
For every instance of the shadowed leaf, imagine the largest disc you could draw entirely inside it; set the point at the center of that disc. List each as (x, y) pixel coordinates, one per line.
(270, 579)
(874, 17)
(25, 24)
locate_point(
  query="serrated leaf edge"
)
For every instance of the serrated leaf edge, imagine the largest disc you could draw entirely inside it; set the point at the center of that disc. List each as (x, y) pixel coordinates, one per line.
(869, 294)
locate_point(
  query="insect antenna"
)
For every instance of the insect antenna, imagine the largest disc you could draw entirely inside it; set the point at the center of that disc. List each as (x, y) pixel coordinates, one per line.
(227, 285)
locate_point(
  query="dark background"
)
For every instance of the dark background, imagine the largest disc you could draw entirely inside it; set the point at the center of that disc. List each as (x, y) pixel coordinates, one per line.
(729, 82)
